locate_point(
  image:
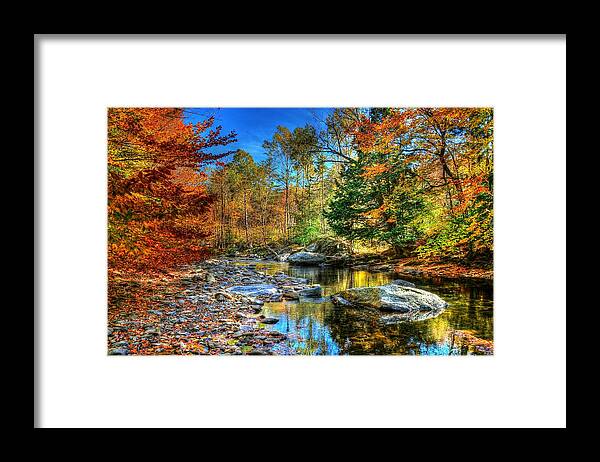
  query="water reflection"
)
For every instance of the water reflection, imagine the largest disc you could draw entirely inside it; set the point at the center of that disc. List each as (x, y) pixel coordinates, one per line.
(320, 328)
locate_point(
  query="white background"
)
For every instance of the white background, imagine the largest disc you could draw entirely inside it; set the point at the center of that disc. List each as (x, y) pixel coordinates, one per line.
(522, 385)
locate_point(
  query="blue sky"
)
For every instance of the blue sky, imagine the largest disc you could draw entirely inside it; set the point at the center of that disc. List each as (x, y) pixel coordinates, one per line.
(254, 125)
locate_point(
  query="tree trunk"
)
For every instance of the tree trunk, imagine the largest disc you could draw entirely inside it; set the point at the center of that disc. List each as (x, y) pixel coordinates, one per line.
(246, 218)
(322, 203)
(287, 210)
(447, 172)
(222, 227)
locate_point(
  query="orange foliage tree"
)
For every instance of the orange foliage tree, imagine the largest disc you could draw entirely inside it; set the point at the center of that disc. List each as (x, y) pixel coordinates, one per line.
(157, 198)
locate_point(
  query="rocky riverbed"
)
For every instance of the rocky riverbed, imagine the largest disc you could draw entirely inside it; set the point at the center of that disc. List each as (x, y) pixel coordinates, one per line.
(210, 308)
(234, 306)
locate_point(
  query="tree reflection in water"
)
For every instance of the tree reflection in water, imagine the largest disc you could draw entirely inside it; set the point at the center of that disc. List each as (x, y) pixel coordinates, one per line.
(320, 328)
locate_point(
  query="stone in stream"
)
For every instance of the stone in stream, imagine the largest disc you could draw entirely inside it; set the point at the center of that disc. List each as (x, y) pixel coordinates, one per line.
(290, 294)
(402, 282)
(314, 291)
(255, 305)
(306, 258)
(298, 280)
(410, 303)
(269, 320)
(255, 290)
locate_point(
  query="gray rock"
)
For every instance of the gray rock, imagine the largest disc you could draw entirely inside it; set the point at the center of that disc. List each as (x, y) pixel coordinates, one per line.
(118, 352)
(306, 258)
(340, 301)
(156, 312)
(403, 283)
(314, 291)
(291, 295)
(409, 303)
(255, 290)
(269, 320)
(330, 246)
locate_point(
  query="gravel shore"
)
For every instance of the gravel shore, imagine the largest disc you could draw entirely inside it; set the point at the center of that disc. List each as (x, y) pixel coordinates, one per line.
(195, 311)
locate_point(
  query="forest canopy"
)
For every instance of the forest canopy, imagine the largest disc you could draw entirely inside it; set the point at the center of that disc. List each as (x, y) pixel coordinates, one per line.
(418, 181)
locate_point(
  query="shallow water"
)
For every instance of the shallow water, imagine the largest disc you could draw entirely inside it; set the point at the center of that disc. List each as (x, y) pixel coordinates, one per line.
(317, 327)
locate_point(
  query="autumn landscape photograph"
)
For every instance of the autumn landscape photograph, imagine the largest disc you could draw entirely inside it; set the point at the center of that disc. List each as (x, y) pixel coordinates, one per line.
(300, 231)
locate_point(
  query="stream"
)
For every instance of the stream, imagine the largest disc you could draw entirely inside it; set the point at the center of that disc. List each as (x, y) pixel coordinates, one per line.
(317, 327)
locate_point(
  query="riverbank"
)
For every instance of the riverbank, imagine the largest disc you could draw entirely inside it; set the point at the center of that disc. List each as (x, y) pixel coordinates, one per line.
(380, 262)
(190, 311)
(416, 267)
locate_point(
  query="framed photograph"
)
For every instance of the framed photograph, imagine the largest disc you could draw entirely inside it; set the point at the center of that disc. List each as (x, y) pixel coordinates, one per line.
(349, 225)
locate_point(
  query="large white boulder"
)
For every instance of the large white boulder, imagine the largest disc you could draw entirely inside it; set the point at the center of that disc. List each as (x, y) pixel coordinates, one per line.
(409, 302)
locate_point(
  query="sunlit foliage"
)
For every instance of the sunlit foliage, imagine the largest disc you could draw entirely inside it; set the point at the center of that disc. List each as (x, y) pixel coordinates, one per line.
(157, 198)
